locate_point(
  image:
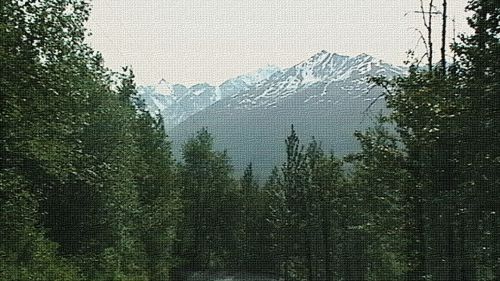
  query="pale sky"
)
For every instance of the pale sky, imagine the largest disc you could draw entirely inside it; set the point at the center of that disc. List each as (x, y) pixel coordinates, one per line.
(194, 41)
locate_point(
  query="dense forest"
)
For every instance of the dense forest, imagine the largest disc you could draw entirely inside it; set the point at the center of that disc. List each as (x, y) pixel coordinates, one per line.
(89, 189)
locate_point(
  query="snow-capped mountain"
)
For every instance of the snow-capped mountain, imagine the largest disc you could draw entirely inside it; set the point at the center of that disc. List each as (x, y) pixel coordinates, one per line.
(327, 96)
(177, 102)
(319, 74)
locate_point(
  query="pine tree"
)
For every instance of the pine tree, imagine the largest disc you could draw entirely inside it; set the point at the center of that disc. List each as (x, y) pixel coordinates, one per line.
(209, 198)
(327, 181)
(156, 184)
(379, 180)
(445, 123)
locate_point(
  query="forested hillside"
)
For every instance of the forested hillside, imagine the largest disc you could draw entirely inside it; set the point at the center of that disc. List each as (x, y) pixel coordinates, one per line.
(89, 189)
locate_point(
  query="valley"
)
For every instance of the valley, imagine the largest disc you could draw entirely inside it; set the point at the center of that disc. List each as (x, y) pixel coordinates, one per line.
(327, 96)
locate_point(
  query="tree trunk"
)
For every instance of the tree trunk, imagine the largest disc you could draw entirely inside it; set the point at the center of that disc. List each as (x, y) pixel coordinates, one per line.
(286, 256)
(327, 247)
(451, 246)
(429, 34)
(443, 39)
(310, 270)
(496, 247)
(420, 269)
(466, 262)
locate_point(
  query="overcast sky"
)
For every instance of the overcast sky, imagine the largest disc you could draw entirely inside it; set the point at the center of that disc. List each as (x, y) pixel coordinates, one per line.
(193, 41)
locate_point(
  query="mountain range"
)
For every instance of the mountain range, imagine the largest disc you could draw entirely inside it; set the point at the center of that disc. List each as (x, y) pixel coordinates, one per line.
(327, 96)
(176, 102)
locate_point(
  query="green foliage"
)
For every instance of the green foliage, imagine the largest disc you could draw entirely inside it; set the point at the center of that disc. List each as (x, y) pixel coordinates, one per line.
(72, 198)
(304, 211)
(89, 189)
(156, 181)
(25, 254)
(209, 198)
(254, 230)
(378, 182)
(449, 127)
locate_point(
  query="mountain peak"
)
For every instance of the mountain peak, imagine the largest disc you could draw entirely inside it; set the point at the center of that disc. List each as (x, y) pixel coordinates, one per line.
(317, 79)
(320, 54)
(324, 54)
(364, 56)
(318, 66)
(323, 57)
(260, 75)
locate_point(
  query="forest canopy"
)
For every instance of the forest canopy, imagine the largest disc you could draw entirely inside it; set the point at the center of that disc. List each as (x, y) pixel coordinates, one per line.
(89, 189)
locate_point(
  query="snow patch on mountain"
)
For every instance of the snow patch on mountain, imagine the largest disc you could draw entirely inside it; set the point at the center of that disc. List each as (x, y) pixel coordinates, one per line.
(323, 78)
(176, 102)
(319, 76)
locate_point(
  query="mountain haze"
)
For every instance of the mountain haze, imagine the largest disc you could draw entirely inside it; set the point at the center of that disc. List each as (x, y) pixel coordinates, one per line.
(326, 96)
(176, 102)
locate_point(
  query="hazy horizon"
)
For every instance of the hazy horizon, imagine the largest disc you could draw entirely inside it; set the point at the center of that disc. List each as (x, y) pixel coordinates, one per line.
(211, 41)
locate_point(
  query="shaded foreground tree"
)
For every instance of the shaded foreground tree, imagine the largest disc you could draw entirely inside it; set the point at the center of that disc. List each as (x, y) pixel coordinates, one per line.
(72, 199)
(448, 123)
(209, 198)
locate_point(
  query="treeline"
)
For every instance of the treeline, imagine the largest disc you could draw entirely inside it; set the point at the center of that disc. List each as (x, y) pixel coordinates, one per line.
(89, 189)
(316, 218)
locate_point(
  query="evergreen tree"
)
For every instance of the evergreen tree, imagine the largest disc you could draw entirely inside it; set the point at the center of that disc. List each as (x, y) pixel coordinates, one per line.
(378, 182)
(328, 183)
(255, 249)
(448, 124)
(68, 152)
(303, 211)
(156, 183)
(209, 199)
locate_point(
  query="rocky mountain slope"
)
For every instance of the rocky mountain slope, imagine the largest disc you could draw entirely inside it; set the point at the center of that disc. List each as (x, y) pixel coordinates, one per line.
(176, 102)
(327, 96)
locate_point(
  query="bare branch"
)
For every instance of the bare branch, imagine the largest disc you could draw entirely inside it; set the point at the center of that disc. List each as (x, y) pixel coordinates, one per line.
(421, 59)
(428, 25)
(373, 102)
(422, 37)
(454, 42)
(386, 91)
(423, 13)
